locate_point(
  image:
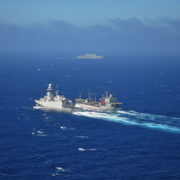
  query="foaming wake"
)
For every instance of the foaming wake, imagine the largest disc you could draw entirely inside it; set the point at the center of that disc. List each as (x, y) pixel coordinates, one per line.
(159, 122)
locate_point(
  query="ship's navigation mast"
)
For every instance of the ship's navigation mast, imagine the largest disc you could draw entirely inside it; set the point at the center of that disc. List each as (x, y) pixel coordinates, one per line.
(89, 94)
(107, 94)
(57, 88)
(50, 90)
(80, 95)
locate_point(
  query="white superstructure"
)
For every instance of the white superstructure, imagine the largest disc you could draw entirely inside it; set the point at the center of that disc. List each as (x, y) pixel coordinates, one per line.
(54, 101)
(90, 56)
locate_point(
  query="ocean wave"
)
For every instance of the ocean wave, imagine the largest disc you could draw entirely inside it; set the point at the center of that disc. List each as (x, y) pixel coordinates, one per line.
(83, 149)
(82, 137)
(61, 169)
(56, 174)
(38, 132)
(64, 128)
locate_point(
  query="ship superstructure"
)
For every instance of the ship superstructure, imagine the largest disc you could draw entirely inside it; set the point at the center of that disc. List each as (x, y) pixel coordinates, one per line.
(90, 56)
(106, 103)
(54, 100)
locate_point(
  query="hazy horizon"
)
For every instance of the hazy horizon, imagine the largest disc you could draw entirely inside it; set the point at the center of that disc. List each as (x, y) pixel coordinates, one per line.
(113, 36)
(105, 27)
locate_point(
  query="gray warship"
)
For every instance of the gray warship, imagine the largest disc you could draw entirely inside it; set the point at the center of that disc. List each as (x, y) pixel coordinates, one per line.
(106, 103)
(54, 100)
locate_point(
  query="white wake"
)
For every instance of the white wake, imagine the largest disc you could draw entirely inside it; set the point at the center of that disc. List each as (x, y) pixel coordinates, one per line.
(160, 122)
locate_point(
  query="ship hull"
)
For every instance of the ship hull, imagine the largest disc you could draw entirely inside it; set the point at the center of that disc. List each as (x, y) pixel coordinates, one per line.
(83, 57)
(94, 108)
(51, 105)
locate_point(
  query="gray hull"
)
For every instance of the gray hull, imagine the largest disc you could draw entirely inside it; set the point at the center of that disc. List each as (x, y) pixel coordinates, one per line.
(95, 108)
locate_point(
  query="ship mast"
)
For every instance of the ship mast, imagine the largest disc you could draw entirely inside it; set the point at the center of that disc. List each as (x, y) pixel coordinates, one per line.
(50, 92)
(88, 94)
(50, 89)
(57, 88)
(106, 94)
(80, 95)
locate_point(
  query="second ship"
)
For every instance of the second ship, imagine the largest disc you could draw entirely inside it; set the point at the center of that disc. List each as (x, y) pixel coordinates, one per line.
(106, 103)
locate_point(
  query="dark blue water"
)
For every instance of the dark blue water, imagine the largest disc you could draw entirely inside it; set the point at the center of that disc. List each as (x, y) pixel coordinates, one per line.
(139, 142)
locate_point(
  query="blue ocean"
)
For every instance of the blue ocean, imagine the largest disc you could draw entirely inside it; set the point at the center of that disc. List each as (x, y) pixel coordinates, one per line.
(142, 141)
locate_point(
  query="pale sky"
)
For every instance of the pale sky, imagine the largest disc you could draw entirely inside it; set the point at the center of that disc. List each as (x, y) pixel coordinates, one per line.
(85, 12)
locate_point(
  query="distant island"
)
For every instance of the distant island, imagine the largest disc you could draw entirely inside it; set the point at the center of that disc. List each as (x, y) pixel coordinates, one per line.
(90, 56)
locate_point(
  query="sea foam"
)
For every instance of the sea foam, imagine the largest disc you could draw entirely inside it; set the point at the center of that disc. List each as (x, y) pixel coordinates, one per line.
(159, 122)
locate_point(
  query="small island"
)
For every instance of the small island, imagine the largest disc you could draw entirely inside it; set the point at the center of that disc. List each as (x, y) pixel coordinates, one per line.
(90, 56)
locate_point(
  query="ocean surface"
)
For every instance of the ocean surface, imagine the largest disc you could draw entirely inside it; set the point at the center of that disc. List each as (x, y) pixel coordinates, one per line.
(142, 141)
